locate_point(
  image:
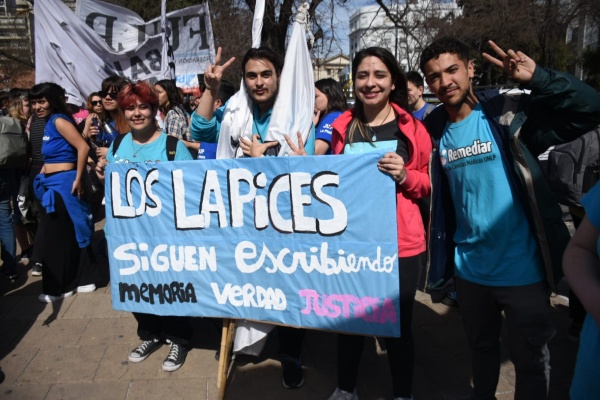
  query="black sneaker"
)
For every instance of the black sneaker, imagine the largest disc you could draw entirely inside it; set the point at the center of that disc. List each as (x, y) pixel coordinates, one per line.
(8, 274)
(450, 300)
(176, 358)
(36, 270)
(144, 350)
(291, 372)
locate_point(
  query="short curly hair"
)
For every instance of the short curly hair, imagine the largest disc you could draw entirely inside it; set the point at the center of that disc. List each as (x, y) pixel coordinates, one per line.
(442, 46)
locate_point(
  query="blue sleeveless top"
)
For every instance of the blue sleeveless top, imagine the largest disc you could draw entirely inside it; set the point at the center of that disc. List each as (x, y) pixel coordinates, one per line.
(55, 147)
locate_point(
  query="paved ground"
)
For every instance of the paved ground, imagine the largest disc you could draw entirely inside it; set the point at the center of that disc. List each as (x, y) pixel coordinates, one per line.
(77, 349)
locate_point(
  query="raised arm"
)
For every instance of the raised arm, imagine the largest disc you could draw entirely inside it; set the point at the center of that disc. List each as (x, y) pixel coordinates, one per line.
(212, 80)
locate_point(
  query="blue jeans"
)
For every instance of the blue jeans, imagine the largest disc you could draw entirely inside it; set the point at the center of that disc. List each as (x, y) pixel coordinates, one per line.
(7, 231)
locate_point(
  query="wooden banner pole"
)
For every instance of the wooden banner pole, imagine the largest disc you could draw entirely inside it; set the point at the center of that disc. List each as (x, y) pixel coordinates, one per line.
(225, 355)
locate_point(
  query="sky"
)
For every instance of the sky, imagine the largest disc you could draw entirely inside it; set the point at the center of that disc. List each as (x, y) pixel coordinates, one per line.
(342, 20)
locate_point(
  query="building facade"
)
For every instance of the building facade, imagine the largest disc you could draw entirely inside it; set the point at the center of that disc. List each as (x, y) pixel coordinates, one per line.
(16, 44)
(331, 67)
(370, 26)
(583, 34)
(17, 54)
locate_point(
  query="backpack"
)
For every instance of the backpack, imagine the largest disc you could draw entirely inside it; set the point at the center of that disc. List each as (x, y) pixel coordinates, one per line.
(171, 146)
(574, 167)
(13, 146)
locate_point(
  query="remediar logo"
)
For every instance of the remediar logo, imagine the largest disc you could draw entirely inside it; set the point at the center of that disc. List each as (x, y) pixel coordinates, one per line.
(475, 149)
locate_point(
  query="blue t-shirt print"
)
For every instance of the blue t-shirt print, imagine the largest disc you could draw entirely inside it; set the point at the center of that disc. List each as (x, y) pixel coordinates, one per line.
(494, 243)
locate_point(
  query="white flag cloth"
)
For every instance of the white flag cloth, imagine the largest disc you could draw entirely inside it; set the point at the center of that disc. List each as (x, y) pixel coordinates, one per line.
(294, 107)
(168, 61)
(189, 30)
(75, 56)
(237, 123)
(257, 23)
(67, 51)
(250, 337)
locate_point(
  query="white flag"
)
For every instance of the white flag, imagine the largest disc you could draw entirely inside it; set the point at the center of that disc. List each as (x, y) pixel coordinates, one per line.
(295, 103)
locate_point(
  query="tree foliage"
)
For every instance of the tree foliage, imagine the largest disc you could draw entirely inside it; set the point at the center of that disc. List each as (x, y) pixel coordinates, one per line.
(536, 27)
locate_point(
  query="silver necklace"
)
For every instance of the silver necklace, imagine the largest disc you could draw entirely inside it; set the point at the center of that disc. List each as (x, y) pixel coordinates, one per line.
(135, 152)
(373, 134)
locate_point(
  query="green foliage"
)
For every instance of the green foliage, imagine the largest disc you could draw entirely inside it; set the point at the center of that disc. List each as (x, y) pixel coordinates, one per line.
(535, 27)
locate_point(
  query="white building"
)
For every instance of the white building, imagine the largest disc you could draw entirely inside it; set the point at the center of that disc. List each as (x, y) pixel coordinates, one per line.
(369, 26)
(583, 34)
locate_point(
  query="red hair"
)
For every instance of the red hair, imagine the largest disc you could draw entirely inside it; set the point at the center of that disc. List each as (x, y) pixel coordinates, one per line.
(142, 91)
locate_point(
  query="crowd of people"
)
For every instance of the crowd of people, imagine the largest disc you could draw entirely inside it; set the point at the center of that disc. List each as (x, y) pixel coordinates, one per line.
(490, 230)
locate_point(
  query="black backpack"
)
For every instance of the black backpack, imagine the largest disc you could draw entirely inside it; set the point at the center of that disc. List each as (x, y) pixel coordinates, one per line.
(574, 167)
(171, 146)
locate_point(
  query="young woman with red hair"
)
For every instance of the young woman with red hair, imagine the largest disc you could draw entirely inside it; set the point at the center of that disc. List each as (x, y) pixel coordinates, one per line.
(145, 143)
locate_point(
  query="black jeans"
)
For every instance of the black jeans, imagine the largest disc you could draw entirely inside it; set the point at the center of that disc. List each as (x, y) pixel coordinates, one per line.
(400, 350)
(527, 313)
(176, 329)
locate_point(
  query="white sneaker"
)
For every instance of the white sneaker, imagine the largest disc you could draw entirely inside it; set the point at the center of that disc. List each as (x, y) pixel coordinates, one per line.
(340, 394)
(47, 298)
(86, 288)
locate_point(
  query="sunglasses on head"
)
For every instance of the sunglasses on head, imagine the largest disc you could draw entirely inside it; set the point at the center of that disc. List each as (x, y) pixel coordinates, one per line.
(112, 95)
(94, 103)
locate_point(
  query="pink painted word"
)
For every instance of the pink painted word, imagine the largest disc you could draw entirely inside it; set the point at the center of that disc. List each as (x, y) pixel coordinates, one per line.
(370, 309)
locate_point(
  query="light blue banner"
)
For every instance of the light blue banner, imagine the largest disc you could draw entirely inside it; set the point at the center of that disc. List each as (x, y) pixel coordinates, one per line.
(302, 241)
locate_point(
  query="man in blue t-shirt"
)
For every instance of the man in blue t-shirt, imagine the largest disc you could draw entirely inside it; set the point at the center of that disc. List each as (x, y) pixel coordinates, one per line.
(416, 104)
(261, 70)
(495, 227)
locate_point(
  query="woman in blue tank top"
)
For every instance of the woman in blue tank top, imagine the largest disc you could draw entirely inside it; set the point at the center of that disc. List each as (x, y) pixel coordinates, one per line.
(66, 226)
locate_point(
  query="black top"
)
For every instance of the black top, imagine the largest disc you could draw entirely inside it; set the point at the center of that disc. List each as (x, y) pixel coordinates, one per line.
(36, 134)
(384, 133)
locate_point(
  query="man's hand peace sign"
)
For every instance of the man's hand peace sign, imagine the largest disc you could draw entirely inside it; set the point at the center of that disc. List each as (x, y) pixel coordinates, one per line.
(516, 64)
(214, 72)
